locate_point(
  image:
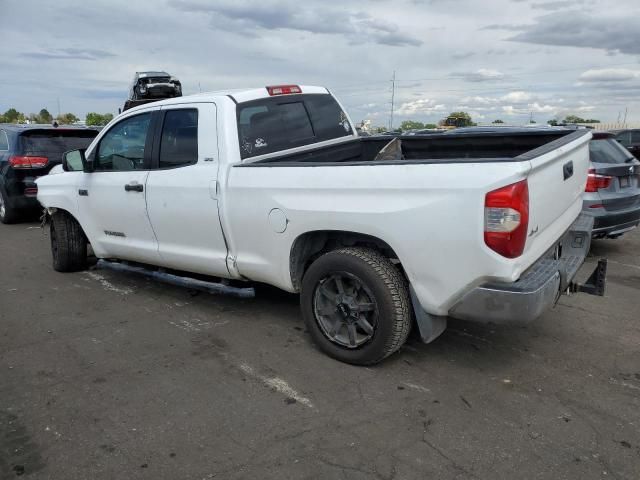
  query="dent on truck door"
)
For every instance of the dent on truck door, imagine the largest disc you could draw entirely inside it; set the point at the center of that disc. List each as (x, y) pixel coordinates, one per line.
(111, 199)
(181, 190)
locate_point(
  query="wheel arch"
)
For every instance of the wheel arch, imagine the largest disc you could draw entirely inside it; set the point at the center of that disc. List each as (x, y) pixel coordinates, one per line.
(309, 245)
(49, 211)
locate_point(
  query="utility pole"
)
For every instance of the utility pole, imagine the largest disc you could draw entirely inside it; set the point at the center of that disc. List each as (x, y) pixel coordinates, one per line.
(626, 110)
(393, 96)
(58, 100)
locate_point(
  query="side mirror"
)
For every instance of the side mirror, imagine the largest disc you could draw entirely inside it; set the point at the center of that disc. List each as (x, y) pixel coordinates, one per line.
(75, 161)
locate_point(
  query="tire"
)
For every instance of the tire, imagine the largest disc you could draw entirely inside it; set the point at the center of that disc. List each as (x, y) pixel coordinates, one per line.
(7, 213)
(68, 243)
(373, 288)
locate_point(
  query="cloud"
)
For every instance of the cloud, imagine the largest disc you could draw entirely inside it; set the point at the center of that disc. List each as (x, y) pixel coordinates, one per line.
(69, 54)
(506, 26)
(246, 17)
(481, 75)
(516, 97)
(578, 29)
(557, 5)
(422, 106)
(609, 75)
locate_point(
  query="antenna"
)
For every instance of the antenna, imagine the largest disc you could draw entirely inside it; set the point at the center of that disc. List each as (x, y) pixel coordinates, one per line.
(393, 95)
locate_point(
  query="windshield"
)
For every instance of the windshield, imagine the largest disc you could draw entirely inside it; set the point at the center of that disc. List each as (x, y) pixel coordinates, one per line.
(608, 150)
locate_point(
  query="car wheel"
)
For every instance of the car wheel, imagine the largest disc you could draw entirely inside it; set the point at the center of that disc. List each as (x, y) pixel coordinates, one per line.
(355, 303)
(68, 243)
(7, 214)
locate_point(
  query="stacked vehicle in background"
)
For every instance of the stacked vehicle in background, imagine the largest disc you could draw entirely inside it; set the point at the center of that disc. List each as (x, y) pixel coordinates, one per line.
(150, 87)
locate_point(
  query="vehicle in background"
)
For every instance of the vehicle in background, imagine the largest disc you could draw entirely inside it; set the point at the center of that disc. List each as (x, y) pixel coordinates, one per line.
(28, 152)
(273, 185)
(612, 194)
(425, 131)
(630, 139)
(152, 86)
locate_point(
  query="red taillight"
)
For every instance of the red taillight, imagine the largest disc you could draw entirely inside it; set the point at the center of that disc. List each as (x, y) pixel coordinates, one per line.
(31, 191)
(597, 182)
(283, 89)
(506, 219)
(28, 162)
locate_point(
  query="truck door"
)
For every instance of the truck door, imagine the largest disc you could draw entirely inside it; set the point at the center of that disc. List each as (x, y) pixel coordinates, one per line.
(182, 190)
(111, 199)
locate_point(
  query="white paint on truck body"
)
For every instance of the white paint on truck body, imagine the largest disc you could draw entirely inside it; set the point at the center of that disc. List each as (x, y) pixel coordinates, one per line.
(213, 217)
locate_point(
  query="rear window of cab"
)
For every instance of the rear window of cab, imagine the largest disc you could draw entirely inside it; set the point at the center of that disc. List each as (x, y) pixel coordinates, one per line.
(273, 124)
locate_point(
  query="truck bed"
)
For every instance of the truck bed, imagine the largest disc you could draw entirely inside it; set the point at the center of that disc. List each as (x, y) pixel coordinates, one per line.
(434, 148)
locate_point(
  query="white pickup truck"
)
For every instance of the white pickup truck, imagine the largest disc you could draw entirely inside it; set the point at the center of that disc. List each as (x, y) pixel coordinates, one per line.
(273, 185)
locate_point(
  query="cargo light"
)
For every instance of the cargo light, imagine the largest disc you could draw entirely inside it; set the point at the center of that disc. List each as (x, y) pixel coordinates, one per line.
(283, 90)
(597, 182)
(506, 219)
(31, 191)
(24, 162)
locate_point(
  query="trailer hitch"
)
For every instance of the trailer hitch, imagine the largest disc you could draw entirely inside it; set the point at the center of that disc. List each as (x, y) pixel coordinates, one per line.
(595, 284)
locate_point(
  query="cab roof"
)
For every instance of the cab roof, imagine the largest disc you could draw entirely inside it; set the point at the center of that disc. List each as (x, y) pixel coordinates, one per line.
(238, 95)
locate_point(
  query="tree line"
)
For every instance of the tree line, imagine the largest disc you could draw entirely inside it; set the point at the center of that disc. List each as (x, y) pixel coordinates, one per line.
(92, 118)
(463, 119)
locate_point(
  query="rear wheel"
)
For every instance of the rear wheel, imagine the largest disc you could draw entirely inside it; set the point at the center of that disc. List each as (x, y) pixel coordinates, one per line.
(7, 214)
(355, 303)
(68, 243)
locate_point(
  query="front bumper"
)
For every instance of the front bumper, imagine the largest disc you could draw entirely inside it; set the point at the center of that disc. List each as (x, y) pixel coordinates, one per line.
(537, 289)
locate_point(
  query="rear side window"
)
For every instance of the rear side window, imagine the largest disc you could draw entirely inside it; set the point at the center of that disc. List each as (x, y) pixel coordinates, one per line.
(635, 137)
(4, 141)
(53, 143)
(608, 150)
(179, 141)
(274, 124)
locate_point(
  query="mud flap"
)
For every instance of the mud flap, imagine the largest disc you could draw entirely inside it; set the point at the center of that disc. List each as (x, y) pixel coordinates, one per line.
(430, 326)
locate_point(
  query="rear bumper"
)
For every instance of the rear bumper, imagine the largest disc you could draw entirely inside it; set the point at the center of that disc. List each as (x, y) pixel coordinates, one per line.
(615, 223)
(538, 288)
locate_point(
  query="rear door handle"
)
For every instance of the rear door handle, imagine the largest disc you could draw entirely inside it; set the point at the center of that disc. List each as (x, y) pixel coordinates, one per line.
(134, 187)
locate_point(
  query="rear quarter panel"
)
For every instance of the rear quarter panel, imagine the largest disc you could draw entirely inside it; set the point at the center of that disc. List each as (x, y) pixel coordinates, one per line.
(432, 215)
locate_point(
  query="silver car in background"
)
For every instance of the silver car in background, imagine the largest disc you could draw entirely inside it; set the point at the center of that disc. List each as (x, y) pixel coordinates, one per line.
(612, 194)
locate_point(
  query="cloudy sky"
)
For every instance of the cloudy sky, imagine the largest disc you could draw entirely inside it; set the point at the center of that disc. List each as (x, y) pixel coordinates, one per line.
(506, 59)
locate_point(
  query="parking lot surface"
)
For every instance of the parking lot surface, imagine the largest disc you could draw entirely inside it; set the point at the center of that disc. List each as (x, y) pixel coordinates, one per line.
(109, 374)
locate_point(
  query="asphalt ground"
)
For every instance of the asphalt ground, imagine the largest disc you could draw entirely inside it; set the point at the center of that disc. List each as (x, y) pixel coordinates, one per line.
(109, 374)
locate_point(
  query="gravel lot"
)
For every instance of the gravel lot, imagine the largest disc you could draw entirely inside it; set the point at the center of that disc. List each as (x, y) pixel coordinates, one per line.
(108, 374)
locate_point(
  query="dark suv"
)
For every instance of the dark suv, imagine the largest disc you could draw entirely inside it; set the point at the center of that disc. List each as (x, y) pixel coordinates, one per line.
(630, 139)
(28, 152)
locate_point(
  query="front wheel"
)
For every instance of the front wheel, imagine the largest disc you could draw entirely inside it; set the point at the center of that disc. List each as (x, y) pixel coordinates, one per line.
(68, 243)
(355, 303)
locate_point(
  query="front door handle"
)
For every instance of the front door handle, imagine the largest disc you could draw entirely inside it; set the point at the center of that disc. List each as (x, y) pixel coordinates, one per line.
(134, 187)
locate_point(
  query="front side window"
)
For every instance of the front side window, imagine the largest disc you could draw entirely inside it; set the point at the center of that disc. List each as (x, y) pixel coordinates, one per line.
(122, 148)
(179, 140)
(4, 141)
(275, 124)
